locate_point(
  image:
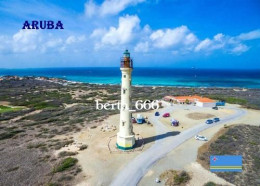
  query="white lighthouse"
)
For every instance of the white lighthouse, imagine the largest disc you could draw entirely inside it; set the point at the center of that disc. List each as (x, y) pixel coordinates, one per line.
(125, 136)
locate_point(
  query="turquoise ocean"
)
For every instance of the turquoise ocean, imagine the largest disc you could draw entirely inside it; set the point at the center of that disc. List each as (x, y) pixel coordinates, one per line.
(149, 76)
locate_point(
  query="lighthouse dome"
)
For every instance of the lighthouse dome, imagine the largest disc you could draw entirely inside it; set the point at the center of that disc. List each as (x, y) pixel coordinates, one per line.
(126, 53)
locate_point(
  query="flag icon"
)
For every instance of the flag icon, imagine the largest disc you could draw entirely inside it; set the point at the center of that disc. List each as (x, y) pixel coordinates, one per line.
(226, 163)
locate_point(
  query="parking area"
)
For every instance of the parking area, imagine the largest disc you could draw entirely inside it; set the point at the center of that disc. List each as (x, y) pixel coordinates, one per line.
(189, 116)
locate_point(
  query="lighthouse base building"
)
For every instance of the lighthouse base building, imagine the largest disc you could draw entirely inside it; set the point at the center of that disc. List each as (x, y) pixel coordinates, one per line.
(125, 142)
(125, 136)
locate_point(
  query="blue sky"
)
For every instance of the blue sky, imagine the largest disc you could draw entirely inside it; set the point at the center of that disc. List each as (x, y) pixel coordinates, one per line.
(167, 33)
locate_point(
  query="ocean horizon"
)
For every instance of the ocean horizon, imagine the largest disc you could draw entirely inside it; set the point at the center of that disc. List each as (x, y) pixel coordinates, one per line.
(152, 76)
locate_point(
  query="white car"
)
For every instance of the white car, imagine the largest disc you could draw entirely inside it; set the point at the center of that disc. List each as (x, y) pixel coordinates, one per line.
(201, 138)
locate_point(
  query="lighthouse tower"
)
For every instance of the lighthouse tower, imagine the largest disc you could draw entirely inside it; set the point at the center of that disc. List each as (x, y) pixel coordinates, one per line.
(125, 136)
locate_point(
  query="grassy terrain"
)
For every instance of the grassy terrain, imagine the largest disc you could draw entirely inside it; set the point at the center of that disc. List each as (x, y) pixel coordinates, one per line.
(247, 103)
(9, 109)
(27, 143)
(65, 164)
(237, 140)
(231, 100)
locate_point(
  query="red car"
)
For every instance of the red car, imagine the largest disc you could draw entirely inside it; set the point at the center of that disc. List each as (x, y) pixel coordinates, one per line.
(165, 115)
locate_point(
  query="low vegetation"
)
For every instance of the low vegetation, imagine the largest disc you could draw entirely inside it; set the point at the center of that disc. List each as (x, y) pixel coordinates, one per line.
(210, 183)
(236, 100)
(65, 164)
(9, 133)
(83, 147)
(67, 153)
(9, 108)
(231, 100)
(173, 177)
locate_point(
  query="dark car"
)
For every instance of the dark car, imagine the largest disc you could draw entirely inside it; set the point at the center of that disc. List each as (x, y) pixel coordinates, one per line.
(215, 108)
(216, 119)
(157, 114)
(133, 120)
(209, 121)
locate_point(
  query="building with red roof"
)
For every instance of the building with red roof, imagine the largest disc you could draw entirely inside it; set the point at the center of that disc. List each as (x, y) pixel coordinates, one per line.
(196, 100)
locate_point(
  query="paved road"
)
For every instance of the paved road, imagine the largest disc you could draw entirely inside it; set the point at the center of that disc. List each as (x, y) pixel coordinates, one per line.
(132, 173)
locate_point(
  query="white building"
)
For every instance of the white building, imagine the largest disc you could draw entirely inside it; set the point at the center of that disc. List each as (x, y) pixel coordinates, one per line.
(205, 103)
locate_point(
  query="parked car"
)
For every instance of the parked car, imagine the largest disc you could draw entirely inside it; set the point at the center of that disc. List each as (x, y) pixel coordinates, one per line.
(209, 121)
(215, 108)
(140, 119)
(220, 103)
(174, 122)
(201, 138)
(133, 120)
(216, 119)
(165, 115)
(157, 114)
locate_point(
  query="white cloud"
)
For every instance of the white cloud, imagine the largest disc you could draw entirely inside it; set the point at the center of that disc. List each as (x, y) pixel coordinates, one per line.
(147, 29)
(90, 8)
(221, 42)
(115, 6)
(120, 35)
(5, 44)
(255, 34)
(25, 40)
(53, 43)
(70, 39)
(182, 41)
(98, 33)
(142, 47)
(190, 39)
(173, 37)
(219, 37)
(108, 7)
(203, 45)
(74, 39)
(240, 48)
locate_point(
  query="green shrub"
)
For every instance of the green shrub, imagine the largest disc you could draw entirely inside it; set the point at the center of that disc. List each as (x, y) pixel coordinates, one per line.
(210, 183)
(4, 109)
(65, 164)
(83, 147)
(67, 153)
(183, 177)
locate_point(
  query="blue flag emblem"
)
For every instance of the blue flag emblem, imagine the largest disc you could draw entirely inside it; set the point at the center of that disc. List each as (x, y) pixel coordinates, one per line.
(226, 163)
